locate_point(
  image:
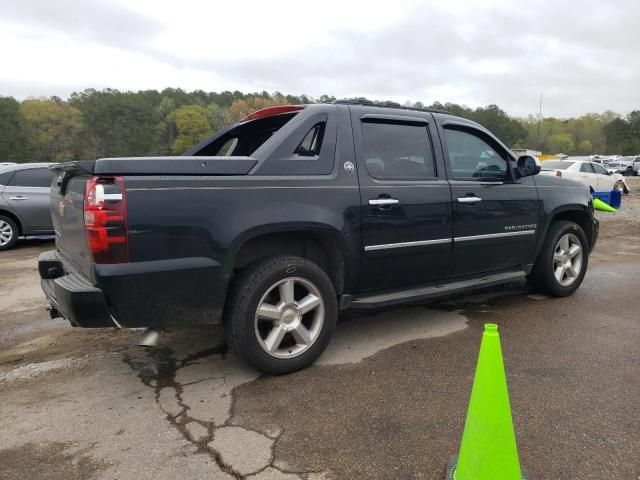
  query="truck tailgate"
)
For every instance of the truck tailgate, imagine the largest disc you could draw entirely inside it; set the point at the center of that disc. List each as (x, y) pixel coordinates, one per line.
(67, 213)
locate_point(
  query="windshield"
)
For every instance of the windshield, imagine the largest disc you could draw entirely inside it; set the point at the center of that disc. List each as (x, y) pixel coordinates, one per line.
(556, 165)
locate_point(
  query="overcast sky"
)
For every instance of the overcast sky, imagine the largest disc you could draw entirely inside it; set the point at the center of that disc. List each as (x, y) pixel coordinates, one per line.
(583, 56)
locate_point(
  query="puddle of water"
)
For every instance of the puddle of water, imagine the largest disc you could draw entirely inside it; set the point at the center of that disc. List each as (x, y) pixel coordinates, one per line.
(363, 337)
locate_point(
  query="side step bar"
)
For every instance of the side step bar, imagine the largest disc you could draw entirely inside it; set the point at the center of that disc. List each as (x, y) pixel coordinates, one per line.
(433, 292)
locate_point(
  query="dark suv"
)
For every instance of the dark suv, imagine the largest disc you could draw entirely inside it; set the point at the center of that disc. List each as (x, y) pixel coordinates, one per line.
(274, 224)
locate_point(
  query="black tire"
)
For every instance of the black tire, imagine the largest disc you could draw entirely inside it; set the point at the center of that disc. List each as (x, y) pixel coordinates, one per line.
(246, 293)
(542, 277)
(8, 223)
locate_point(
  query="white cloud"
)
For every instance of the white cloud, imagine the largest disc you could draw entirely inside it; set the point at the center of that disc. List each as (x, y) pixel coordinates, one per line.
(583, 59)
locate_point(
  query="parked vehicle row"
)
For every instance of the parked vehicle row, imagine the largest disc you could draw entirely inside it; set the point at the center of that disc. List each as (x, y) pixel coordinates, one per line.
(627, 166)
(24, 202)
(273, 224)
(597, 177)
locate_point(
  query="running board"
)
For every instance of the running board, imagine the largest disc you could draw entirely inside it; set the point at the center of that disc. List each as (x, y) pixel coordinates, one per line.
(434, 291)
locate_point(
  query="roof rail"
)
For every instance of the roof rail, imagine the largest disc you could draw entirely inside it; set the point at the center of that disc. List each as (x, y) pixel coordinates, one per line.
(385, 104)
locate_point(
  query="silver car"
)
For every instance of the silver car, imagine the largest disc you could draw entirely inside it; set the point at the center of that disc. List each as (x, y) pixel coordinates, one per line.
(24, 202)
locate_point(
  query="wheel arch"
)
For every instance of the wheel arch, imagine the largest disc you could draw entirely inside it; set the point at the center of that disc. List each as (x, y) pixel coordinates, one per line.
(317, 243)
(578, 214)
(13, 217)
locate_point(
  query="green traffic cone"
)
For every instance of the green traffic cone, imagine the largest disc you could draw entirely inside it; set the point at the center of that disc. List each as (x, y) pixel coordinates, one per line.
(605, 207)
(488, 450)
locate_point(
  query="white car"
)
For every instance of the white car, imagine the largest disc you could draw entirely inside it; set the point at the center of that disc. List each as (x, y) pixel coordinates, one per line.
(589, 173)
(624, 166)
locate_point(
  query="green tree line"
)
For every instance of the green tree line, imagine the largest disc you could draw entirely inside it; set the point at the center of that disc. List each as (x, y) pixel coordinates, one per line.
(108, 123)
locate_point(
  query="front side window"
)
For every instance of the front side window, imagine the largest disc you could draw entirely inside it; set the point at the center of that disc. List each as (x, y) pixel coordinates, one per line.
(397, 151)
(33, 177)
(600, 169)
(472, 158)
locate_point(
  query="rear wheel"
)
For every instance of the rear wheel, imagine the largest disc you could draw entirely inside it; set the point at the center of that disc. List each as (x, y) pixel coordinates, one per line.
(562, 263)
(281, 314)
(8, 233)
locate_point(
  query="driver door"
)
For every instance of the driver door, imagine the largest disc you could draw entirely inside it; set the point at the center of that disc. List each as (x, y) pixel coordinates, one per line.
(495, 214)
(605, 182)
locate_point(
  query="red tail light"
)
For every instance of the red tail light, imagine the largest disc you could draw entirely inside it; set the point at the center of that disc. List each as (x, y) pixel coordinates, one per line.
(558, 173)
(105, 219)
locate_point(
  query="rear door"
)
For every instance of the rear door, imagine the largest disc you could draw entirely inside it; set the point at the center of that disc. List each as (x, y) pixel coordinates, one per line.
(406, 201)
(28, 194)
(495, 214)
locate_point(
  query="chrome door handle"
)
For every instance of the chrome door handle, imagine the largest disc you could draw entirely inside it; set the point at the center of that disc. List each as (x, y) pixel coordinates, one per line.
(20, 197)
(383, 201)
(469, 199)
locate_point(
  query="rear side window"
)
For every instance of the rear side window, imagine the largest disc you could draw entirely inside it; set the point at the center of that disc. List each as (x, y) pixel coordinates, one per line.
(397, 151)
(586, 168)
(312, 142)
(33, 177)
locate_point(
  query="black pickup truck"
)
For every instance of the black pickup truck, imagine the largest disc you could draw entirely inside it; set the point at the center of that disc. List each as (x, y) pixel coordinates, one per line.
(274, 224)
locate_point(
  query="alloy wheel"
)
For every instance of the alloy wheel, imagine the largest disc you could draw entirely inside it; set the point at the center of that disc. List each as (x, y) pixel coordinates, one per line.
(567, 259)
(6, 233)
(289, 317)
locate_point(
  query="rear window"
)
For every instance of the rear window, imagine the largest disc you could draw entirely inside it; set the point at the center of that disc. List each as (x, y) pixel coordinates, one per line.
(245, 138)
(556, 165)
(33, 177)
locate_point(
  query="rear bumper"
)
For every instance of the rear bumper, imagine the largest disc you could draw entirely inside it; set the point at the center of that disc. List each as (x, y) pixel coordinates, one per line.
(168, 293)
(72, 295)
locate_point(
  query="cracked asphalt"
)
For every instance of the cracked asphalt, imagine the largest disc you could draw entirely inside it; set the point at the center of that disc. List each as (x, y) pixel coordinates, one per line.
(387, 400)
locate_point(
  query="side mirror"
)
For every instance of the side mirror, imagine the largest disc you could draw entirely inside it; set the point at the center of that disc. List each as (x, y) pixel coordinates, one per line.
(528, 166)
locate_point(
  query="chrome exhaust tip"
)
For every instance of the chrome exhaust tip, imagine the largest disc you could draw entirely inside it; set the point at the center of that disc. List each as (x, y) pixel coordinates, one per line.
(150, 338)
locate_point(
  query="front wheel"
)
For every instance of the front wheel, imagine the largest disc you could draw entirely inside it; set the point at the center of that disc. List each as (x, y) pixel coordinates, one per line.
(281, 314)
(621, 187)
(562, 263)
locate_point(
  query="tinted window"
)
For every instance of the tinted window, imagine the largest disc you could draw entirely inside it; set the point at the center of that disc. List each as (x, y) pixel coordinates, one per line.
(397, 151)
(586, 168)
(472, 158)
(556, 165)
(33, 177)
(312, 141)
(4, 177)
(600, 169)
(227, 149)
